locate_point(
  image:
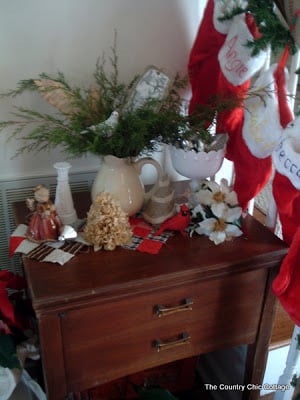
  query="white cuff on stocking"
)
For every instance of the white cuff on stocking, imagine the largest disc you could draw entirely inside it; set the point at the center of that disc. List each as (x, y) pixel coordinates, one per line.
(286, 159)
(235, 57)
(222, 8)
(262, 129)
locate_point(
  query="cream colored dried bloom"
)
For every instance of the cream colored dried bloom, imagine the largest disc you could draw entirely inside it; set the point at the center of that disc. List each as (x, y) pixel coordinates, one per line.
(55, 93)
(107, 224)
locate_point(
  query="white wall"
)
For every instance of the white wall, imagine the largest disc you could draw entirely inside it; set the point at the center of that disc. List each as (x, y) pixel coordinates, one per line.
(69, 35)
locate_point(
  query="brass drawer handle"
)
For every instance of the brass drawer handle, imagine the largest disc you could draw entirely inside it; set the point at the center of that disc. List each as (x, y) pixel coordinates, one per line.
(186, 305)
(184, 338)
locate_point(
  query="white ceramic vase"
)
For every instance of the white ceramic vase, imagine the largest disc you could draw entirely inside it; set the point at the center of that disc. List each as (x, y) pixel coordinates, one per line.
(63, 196)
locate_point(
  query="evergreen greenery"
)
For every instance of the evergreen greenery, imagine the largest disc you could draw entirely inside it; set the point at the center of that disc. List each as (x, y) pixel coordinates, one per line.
(272, 30)
(78, 131)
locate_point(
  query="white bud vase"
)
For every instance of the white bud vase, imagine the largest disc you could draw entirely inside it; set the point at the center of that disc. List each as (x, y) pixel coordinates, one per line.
(63, 197)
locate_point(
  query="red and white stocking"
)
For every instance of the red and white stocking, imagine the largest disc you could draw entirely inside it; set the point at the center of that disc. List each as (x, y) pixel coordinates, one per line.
(203, 66)
(286, 192)
(286, 159)
(238, 65)
(286, 183)
(286, 285)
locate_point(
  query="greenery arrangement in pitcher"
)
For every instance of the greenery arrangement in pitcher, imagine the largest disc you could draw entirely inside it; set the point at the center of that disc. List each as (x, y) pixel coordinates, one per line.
(98, 119)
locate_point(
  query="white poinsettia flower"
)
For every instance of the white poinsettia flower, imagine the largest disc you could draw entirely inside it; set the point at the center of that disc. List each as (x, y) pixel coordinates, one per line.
(214, 193)
(221, 228)
(221, 205)
(209, 227)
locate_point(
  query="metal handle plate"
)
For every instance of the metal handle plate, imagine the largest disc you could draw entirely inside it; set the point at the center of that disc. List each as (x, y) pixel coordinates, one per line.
(185, 305)
(183, 338)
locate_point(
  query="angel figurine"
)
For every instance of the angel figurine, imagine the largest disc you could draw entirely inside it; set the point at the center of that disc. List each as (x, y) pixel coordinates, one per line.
(44, 224)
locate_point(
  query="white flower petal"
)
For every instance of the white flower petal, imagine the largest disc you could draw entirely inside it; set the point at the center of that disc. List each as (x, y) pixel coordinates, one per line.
(219, 209)
(204, 197)
(224, 186)
(231, 199)
(206, 226)
(232, 214)
(233, 230)
(199, 230)
(217, 237)
(224, 183)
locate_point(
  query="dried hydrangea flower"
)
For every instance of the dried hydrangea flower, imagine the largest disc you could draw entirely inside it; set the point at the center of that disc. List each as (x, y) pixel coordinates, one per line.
(107, 224)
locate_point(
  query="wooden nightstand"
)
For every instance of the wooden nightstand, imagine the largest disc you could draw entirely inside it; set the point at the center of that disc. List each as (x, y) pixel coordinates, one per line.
(109, 314)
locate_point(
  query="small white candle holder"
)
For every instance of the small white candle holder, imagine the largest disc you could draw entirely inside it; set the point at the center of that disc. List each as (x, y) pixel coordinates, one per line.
(63, 197)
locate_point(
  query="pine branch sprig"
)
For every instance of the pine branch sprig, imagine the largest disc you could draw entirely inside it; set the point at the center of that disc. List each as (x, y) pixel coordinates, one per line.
(79, 124)
(273, 32)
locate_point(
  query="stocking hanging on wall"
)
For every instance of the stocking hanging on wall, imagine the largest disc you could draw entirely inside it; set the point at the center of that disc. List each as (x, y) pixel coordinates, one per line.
(203, 65)
(286, 285)
(286, 157)
(238, 65)
(221, 65)
(286, 192)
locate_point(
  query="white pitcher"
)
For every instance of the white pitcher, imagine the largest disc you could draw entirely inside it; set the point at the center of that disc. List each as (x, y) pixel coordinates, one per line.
(121, 178)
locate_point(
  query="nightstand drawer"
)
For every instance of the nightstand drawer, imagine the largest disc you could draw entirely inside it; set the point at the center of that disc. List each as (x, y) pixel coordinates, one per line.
(116, 338)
